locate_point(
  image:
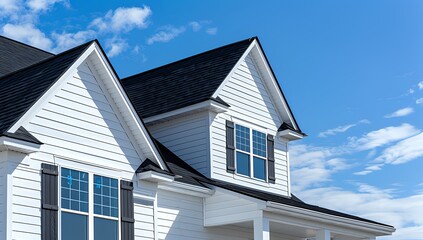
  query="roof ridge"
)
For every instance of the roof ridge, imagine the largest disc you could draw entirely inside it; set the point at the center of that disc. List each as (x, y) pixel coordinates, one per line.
(27, 45)
(190, 57)
(45, 60)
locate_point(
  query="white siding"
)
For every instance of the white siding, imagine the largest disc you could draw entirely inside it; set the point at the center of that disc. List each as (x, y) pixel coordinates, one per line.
(187, 137)
(250, 103)
(144, 219)
(80, 129)
(2, 199)
(181, 217)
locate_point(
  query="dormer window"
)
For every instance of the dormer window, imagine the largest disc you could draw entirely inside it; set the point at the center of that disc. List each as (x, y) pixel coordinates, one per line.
(250, 152)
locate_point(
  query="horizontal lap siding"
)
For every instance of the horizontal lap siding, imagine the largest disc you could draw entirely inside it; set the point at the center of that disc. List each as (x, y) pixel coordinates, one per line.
(181, 217)
(249, 100)
(77, 123)
(2, 199)
(144, 220)
(187, 137)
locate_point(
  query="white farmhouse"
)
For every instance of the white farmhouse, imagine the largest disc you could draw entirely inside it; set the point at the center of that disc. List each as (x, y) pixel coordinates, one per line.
(195, 149)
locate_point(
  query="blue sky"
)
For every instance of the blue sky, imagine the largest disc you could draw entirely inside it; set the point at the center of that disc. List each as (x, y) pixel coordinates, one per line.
(351, 71)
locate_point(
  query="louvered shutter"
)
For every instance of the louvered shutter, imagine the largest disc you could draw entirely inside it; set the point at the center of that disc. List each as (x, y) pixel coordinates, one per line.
(230, 147)
(127, 210)
(271, 158)
(49, 202)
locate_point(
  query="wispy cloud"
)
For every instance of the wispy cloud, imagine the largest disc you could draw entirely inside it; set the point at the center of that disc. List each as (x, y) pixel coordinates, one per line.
(419, 101)
(420, 85)
(373, 203)
(166, 34)
(27, 33)
(44, 5)
(211, 31)
(123, 19)
(195, 26)
(341, 129)
(116, 46)
(383, 137)
(404, 151)
(400, 113)
(67, 40)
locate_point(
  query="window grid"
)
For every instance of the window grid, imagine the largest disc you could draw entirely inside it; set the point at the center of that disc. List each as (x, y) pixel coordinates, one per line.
(256, 155)
(259, 143)
(243, 138)
(74, 190)
(105, 196)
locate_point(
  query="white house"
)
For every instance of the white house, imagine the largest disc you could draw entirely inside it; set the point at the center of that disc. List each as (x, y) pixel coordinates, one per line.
(196, 149)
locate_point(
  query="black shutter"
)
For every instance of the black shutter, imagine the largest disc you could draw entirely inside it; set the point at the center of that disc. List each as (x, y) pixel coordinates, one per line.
(49, 202)
(127, 210)
(230, 147)
(271, 158)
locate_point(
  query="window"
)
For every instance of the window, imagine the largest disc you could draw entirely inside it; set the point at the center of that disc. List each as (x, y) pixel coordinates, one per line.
(250, 152)
(82, 205)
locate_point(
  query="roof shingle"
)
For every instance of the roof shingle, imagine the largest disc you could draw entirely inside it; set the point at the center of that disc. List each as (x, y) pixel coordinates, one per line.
(184, 82)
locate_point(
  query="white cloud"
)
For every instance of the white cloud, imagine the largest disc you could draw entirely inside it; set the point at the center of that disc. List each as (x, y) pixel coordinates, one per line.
(211, 31)
(168, 33)
(196, 26)
(27, 33)
(420, 85)
(404, 151)
(116, 46)
(312, 166)
(66, 40)
(383, 136)
(419, 101)
(123, 19)
(400, 113)
(43, 5)
(378, 204)
(6, 6)
(410, 91)
(341, 129)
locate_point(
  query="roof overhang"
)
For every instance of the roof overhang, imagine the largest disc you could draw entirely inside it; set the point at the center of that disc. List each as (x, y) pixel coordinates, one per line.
(208, 105)
(153, 176)
(8, 143)
(290, 135)
(318, 217)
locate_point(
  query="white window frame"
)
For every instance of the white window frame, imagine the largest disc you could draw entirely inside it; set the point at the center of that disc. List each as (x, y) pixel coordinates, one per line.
(251, 154)
(91, 215)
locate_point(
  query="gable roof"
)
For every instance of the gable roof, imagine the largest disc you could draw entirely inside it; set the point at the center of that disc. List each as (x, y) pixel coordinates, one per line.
(184, 82)
(186, 174)
(19, 90)
(15, 55)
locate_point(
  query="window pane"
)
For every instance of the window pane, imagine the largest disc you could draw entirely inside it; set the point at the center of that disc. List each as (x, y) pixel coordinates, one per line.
(259, 168)
(259, 143)
(74, 190)
(242, 138)
(105, 229)
(105, 196)
(74, 226)
(242, 163)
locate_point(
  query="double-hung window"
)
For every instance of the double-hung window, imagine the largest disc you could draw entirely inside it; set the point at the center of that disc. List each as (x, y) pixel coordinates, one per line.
(250, 152)
(89, 206)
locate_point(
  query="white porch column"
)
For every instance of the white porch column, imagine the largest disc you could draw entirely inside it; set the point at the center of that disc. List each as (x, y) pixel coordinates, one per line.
(261, 229)
(323, 234)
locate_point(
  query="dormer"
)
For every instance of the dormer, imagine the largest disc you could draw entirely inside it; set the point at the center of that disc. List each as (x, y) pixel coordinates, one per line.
(223, 112)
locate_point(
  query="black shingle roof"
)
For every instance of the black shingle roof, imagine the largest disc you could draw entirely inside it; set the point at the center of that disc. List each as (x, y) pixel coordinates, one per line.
(186, 174)
(15, 55)
(184, 82)
(21, 89)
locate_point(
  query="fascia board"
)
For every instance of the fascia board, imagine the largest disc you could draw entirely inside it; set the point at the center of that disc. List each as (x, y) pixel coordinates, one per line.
(206, 105)
(155, 177)
(7, 143)
(184, 188)
(42, 101)
(327, 218)
(129, 108)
